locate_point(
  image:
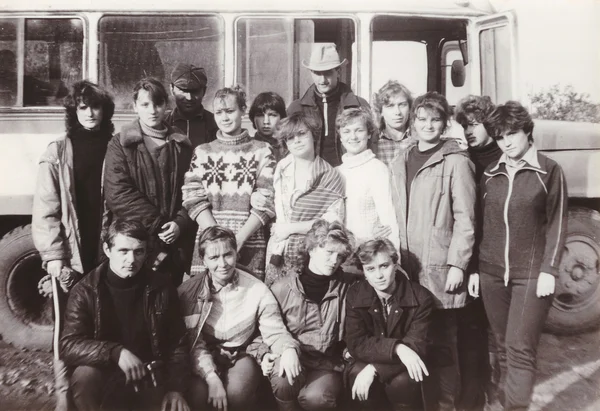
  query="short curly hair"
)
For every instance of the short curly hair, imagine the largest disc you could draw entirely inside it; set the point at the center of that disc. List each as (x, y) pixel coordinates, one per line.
(91, 95)
(477, 107)
(351, 114)
(237, 92)
(511, 116)
(289, 126)
(432, 100)
(323, 232)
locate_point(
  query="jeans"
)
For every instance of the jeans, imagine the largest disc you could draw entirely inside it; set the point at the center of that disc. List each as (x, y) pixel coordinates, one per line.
(96, 389)
(241, 382)
(313, 389)
(517, 317)
(401, 392)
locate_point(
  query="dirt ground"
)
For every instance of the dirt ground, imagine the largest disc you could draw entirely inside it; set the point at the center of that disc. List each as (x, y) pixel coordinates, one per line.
(568, 378)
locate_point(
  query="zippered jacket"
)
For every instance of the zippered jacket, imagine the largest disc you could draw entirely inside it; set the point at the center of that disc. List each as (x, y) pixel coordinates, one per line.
(84, 337)
(524, 219)
(437, 228)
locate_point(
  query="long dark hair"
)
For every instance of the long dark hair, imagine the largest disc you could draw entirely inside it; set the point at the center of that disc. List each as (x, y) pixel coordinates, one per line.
(91, 95)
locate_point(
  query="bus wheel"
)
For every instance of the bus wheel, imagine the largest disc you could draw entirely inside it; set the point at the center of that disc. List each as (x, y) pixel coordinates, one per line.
(25, 316)
(576, 306)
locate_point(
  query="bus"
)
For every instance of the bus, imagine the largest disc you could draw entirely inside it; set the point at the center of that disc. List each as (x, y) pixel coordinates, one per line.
(454, 47)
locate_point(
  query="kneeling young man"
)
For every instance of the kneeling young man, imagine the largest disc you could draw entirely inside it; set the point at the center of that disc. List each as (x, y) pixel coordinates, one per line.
(387, 319)
(124, 335)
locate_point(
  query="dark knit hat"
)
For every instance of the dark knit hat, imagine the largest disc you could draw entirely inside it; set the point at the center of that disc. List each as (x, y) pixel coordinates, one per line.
(188, 77)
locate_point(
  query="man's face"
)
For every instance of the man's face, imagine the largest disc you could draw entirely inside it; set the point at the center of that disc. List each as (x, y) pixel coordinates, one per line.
(326, 81)
(126, 256)
(380, 272)
(188, 101)
(476, 134)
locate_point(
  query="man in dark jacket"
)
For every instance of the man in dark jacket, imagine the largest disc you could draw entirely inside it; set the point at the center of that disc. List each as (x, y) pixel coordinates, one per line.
(326, 98)
(387, 319)
(124, 336)
(188, 86)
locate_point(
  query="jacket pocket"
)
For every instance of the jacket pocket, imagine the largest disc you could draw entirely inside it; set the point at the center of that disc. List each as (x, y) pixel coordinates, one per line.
(439, 244)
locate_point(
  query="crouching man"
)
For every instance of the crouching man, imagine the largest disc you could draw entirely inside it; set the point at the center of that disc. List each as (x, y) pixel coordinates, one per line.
(124, 335)
(226, 310)
(387, 318)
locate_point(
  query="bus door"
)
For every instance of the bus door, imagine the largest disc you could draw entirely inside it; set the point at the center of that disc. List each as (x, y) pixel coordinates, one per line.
(493, 55)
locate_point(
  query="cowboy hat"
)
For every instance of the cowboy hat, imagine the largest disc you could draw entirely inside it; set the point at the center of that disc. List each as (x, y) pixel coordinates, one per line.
(324, 56)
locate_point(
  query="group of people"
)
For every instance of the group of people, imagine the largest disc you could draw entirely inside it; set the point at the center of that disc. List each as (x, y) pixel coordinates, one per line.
(338, 254)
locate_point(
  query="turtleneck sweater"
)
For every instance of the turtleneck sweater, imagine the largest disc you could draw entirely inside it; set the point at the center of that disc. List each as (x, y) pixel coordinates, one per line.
(124, 314)
(368, 196)
(483, 157)
(155, 140)
(315, 285)
(89, 149)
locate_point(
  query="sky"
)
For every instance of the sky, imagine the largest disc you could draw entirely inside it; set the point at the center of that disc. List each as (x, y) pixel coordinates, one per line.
(559, 42)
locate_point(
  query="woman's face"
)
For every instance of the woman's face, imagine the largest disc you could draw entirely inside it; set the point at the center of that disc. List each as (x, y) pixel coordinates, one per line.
(395, 112)
(326, 260)
(150, 114)
(428, 125)
(89, 117)
(355, 136)
(228, 115)
(220, 259)
(265, 123)
(302, 143)
(514, 144)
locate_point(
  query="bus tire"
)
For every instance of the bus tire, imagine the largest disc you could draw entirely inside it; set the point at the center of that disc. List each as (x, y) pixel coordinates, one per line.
(576, 305)
(25, 316)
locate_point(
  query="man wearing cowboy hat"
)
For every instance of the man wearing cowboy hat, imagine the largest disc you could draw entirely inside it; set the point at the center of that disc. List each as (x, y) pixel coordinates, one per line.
(188, 85)
(325, 98)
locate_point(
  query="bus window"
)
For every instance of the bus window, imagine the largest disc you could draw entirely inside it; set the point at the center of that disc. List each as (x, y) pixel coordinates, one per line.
(133, 47)
(451, 52)
(50, 60)
(408, 49)
(496, 73)
(269, 52)
(391, 62)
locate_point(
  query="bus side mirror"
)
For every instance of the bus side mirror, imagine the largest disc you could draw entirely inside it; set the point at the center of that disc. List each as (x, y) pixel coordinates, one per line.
(457, 73)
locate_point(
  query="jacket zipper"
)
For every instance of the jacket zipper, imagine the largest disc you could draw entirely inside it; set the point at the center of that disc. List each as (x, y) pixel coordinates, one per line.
(506, 246)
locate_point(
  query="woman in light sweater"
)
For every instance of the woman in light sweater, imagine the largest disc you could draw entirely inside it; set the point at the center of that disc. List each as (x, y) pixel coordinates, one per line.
(369, 208)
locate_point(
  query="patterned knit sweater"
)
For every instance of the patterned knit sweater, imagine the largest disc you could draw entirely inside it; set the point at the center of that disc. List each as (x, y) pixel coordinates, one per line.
(223, 174)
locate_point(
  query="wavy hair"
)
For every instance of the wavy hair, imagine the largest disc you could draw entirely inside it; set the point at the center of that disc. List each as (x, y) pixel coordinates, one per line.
(88, 93)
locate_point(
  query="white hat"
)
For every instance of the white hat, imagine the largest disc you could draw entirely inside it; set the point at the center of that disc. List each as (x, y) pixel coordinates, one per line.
(324, 56)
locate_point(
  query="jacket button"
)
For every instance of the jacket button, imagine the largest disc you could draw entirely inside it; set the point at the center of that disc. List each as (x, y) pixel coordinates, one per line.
(381, 333)
(396, 311)
(375, 310)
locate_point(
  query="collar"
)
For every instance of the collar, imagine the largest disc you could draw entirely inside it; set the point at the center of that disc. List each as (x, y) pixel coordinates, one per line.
(233, 141)
(404, 296)
(177, 115)
(132, 134)
(309, 98)
(357, 160)
(384, 135)
(216, 288)
(530, 161)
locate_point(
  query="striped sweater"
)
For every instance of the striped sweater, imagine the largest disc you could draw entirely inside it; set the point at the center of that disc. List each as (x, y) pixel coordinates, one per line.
(223, 174)
(232, 317)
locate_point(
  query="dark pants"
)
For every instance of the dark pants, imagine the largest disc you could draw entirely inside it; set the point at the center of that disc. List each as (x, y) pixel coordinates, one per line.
(517, 317)
(241, 382)
(96, 389)
(473, 356)
(312, 389)
(400, 392)
(442, 387)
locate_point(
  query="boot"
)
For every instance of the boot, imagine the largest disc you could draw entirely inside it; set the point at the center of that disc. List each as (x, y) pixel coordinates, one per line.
(61, 385)
(287, 405)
